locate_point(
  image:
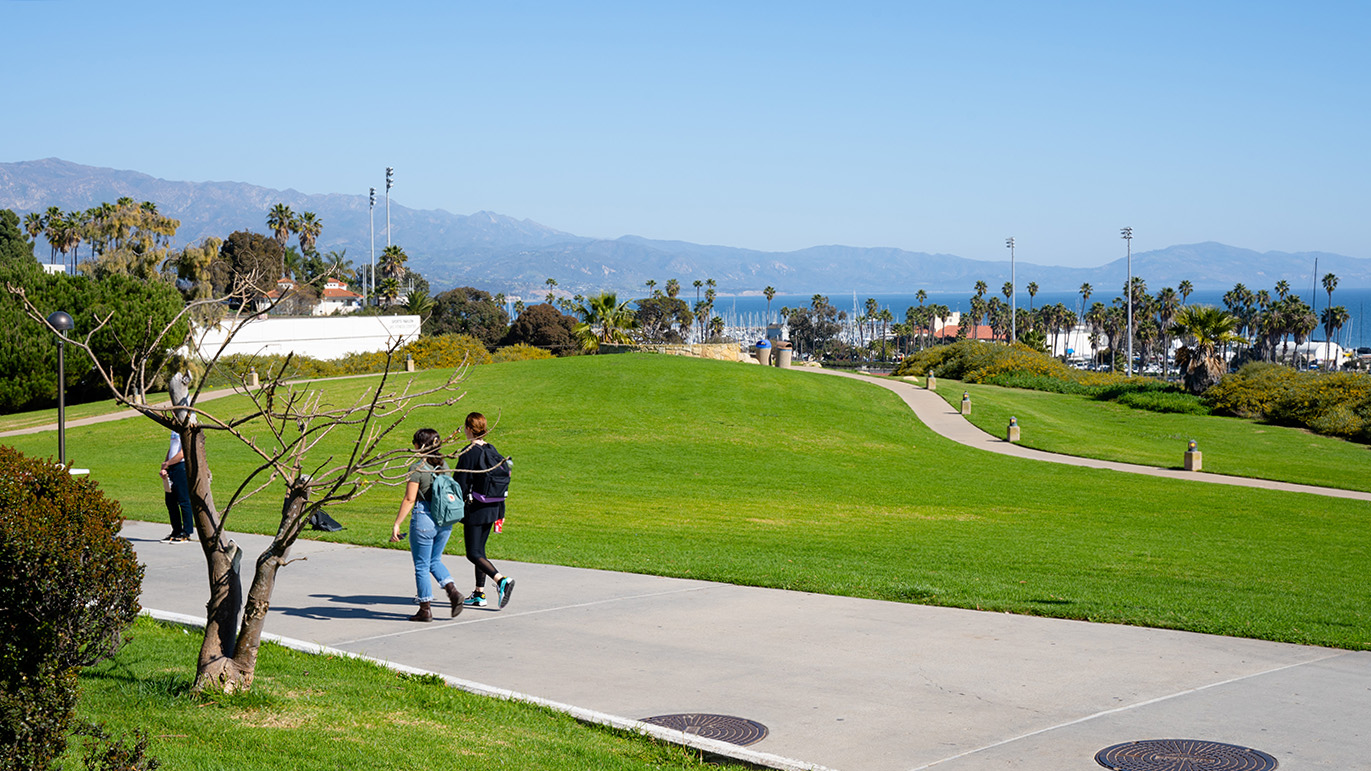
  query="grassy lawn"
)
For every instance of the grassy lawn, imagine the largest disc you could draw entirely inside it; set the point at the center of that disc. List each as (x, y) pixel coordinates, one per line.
(324, 712)
(1080, 425)
(780, 478)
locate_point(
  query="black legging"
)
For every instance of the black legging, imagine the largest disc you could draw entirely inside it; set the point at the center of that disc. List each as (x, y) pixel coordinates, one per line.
(475, 537)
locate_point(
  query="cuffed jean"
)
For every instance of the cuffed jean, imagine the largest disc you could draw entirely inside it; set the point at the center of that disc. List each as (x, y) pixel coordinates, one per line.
(426, 544)
(178, 501)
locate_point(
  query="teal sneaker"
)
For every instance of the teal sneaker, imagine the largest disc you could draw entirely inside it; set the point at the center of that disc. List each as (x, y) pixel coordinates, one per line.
(475, 601)
(504, 589)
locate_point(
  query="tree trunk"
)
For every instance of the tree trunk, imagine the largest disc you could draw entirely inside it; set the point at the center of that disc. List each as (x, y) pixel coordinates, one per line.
(228, 654)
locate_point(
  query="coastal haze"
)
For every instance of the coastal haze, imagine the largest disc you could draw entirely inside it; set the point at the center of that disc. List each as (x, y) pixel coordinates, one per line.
(499, 253)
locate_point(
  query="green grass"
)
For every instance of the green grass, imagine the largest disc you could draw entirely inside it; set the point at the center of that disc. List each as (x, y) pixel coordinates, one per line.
(780, 478)
(1083, 426)
(326, 712)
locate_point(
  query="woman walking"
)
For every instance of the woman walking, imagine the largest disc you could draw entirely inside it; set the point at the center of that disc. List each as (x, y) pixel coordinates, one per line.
(472, 466)
(426, 539)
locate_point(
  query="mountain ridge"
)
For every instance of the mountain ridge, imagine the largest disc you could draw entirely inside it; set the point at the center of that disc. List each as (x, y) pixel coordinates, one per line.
(500, 253)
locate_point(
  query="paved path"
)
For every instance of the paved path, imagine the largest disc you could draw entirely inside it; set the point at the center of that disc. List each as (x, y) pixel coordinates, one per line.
(859, 685)
(948, 422)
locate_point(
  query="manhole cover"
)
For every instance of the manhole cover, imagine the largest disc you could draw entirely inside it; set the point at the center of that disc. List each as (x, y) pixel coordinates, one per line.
(724, 728)
(1182, 755)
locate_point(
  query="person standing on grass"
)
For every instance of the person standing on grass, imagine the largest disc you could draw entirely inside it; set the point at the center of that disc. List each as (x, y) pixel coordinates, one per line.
(177, 489)
(426, 539)
(480, 517)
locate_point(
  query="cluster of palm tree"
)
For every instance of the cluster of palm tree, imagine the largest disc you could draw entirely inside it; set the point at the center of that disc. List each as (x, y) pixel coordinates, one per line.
(126, 227)
(604, 320)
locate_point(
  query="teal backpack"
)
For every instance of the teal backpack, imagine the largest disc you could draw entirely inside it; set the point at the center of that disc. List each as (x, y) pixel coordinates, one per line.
(445, 499)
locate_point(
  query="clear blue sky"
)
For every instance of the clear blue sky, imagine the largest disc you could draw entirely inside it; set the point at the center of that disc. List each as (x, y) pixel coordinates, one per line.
(938, 127)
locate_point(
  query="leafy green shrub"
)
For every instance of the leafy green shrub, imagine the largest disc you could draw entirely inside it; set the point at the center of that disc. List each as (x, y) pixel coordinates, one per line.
(1175, 400)
(68, 587)
(1333, 403)
(436, 352)
(521, 352)
(1253, 391)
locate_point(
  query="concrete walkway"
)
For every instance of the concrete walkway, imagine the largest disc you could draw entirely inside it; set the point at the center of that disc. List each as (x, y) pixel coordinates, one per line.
(839, 682)
(948, 422)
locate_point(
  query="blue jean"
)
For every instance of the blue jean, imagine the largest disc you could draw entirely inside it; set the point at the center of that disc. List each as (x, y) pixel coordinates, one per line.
(178, 501)
(426, 544)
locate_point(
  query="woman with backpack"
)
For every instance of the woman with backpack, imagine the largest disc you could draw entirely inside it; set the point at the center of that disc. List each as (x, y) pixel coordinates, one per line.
(473, 471)
(426, 539)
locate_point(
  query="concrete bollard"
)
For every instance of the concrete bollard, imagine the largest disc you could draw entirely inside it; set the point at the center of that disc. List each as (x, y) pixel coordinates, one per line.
(966, 403)
(252, 380)
(1013, 434)
(932, 381)
(1193, 459)
(409, 362)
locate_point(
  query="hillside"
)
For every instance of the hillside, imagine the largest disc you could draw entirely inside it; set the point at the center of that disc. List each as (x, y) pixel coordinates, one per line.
(503, 254)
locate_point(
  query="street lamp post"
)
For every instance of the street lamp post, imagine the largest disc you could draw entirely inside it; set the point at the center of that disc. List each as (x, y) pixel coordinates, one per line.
(1013, 294)
(390, 179)
(372, 277)
(61, 321)
(1128, 290)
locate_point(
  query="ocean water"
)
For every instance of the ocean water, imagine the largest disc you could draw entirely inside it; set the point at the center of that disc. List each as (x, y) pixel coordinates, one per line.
(751, 310)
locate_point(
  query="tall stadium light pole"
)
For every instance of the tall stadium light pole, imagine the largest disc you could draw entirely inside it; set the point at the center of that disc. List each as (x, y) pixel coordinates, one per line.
(390, 179)
(61, 321)
(1128, 289)
(366, 299)
(1013, 294)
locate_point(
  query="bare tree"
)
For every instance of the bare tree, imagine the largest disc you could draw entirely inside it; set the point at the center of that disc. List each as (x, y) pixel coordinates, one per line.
(296, 422)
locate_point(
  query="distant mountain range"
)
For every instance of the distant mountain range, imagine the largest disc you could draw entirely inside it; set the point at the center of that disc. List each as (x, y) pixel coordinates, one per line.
(501, 254)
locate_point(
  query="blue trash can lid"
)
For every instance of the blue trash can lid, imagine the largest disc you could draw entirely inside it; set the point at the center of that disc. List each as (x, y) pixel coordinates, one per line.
(763, 344)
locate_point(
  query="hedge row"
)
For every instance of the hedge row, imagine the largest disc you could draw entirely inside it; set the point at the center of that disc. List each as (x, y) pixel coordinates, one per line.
(1331, 403)
(433, 352)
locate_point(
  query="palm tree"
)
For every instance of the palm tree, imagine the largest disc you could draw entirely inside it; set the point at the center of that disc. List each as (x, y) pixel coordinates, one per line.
(418, 303)
(34, 225)
(308, 227)
(1032, 292)
(281, 221)
(604, 320)
(921, 295)
(1184, 289)
(770, 293)
(673, 288)
(698, 284)
(1282, 288)
(885, 317)
(1334, 317)
(388, 290)
(1206, 328)
(551, 282)
(1086, 290)
(1330, 282)
(981, 288)
(651, 287)
(1168, 305)
(339, 265)
(393, 260)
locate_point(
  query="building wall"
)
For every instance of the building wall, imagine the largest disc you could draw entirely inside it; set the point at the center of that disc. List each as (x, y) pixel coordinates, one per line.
(331, 337)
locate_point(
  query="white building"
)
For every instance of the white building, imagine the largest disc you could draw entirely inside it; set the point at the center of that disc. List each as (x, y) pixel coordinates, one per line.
(319, 338)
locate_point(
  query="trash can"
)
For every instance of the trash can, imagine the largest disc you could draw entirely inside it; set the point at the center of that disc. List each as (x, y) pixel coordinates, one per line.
(783, 353)
(762, 350)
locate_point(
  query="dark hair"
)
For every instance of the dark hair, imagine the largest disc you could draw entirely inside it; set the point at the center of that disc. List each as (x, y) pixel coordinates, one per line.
(430, 444)
(476, 423)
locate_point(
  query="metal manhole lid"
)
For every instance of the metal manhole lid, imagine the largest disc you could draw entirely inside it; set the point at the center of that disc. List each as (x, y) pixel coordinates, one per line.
(723, 728)
(1183, 755)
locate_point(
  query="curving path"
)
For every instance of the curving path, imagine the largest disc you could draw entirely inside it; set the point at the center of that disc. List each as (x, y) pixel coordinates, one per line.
(947, 422)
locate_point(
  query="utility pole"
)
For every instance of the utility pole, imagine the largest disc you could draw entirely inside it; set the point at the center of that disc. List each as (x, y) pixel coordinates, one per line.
(1128, 289)
(390, 178)
(366, 296)
(1013, 294)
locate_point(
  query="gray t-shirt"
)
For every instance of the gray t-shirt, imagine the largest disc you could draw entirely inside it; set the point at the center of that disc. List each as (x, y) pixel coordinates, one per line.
(421, 473)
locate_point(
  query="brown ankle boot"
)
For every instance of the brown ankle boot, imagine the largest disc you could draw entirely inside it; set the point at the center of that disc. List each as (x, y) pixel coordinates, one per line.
(425, 613)
(455, 597)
